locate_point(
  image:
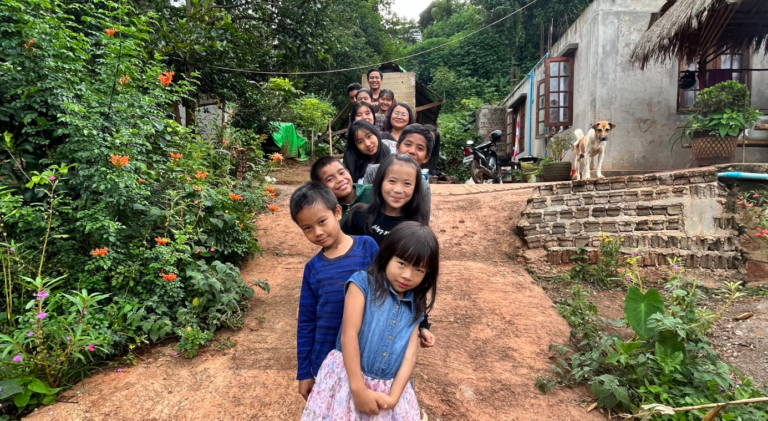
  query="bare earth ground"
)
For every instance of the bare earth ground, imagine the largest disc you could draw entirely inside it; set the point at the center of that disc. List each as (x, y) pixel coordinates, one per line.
(492, 322)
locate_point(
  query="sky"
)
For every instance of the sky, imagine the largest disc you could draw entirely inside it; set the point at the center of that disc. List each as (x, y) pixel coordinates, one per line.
(410, 9)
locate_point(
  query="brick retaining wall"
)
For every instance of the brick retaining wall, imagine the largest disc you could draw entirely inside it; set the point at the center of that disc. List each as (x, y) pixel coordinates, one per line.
(679, 214)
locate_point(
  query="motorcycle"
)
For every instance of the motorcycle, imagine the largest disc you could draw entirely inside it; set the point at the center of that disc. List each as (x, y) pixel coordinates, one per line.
(483, 162)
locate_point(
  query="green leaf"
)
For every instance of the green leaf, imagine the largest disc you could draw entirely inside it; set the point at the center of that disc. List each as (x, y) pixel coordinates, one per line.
(22, 399)
(39, 387)
(723, 130)
(49, 400)
(639, 307)
(9, 388)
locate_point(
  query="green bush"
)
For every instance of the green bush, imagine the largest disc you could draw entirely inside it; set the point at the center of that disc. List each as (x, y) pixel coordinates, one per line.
(456, 128)
(144, 214)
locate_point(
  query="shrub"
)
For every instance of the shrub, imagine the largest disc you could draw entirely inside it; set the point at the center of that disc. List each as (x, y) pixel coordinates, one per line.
(456, 129)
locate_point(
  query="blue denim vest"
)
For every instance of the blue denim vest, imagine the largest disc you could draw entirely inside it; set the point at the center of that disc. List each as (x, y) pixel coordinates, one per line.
(385, 331)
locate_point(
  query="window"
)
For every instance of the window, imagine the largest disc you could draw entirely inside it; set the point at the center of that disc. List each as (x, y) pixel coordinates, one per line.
(559, 89)
(509, 140)
(717, 70)
(541, 127)
(515, 134)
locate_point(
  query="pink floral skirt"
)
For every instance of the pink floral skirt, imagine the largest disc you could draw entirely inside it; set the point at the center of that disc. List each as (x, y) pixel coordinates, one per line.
(331, 399)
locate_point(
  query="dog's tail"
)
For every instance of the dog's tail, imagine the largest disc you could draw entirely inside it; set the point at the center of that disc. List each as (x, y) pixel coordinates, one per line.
(578, 134)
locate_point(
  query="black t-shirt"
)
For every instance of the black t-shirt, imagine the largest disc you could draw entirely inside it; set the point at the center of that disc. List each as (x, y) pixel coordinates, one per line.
(357, 224)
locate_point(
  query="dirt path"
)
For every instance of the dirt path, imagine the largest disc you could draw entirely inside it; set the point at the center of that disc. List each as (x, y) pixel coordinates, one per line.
(492, 322)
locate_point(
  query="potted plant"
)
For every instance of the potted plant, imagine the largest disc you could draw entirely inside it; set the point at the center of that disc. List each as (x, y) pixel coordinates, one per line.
(722, 112)
(554, 168)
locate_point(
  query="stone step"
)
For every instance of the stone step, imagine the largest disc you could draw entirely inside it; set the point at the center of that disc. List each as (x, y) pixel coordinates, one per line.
(656, 257)
(720, 241)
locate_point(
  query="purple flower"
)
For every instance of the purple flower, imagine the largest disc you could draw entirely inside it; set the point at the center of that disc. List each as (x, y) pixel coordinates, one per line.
(675, 267)
(52, 178)
(41, 295)
(30, 334)
(175, 354)
(41, 315)
(628, 279)
(635, 253)
(91, 348)
(17, 358)
(119, 370)
(11, 249)
(68, 339)
(85, 311)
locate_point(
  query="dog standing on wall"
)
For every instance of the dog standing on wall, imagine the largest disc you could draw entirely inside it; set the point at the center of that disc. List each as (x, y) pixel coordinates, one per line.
(590, 146)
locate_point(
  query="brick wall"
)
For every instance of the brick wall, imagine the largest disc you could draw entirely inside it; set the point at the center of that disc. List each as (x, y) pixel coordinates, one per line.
(681, 214)
(402, 84)
(489, 118)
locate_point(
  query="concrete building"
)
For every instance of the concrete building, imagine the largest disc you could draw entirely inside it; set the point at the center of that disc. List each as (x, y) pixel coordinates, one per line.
(588, 76)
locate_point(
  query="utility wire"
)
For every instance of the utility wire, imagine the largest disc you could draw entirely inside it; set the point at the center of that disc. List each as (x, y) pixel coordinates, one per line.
(371, 65)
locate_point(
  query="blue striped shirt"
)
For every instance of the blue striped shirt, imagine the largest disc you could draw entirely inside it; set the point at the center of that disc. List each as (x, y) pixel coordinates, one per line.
(322, 302)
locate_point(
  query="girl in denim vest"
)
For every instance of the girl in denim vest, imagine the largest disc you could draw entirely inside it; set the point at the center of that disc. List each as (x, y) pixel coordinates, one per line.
(367, 376)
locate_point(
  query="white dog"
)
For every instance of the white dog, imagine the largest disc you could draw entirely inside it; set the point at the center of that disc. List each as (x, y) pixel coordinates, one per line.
(587, 147)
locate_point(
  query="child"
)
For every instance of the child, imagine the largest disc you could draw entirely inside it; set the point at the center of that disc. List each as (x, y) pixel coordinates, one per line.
(416, 141)
(364, 147)
(367, 112)
(431, 165)
(382, 308)
(352, 91)
(364, 95)
(329, 171)
(315, 210)
(386, 99)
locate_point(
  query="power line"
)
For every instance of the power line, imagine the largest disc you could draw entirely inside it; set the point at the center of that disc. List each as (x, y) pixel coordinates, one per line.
(371, 65)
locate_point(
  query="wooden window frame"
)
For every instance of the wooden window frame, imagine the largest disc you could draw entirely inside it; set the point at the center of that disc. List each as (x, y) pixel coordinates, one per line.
(521, 113)
(716, 64)
(509, 132)
(569, 118)
(541, 105)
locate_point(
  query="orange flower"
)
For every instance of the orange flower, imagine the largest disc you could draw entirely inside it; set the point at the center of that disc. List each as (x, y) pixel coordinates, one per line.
(110, 32)
(141, 181)
(189, 179)
(273, 195)
(124, 80)
(201, 175)
(175, 156)
(224, 142)
(161, 241)
(277, 158)
(29, 44)
(169, 277)
(198, 188)
(99, 252)
(269, 189)
(235, 197)
(119, 161)
(273, 208)
(165, 78)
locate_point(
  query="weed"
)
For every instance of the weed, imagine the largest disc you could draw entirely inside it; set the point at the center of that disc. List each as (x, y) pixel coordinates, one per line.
(226, 344)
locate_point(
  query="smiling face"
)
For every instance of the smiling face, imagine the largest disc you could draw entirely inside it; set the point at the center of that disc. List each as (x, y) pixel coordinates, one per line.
(374, 80)
(385, 102)
(414, 145)
(603, 130)
(397, 187)
(363, 97)
(319, 224)
(404, 276)
(364, 113)
(366, 142)
(400, 117)
(338, 179)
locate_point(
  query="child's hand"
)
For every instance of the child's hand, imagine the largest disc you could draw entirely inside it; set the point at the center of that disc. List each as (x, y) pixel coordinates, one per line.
(305, 386)
(369, 402)
(388, 401)
(426, 339)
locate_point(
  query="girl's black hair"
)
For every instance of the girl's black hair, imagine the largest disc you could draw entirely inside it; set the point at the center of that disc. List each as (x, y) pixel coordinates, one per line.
(359, 105)
(434, 157)
(386, 92)
(414, 210)
(416, 244)
(370, 94)
(387, 126)
(354, 160)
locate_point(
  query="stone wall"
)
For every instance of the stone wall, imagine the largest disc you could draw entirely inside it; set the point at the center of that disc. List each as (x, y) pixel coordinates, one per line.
(489, 118)
(679, 214)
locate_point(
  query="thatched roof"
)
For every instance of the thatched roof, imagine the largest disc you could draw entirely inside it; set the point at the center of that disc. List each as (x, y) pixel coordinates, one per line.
(689, 29)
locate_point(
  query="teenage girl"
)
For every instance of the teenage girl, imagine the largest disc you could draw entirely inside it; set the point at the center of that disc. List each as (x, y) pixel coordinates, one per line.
(366, 376)
(364, 146)
(363, 111)
(386, 101)
(431, 165)
(364, 95)
(397, 196)
(398, 117)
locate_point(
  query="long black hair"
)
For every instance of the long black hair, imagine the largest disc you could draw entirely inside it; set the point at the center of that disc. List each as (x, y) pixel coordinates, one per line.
(434, 157)
(358, 106)
(416, 244)
(387, 126)
(354, 160)
(413, 210)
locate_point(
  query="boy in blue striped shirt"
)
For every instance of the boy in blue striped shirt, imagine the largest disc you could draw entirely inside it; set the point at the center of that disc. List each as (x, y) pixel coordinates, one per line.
(316, 211)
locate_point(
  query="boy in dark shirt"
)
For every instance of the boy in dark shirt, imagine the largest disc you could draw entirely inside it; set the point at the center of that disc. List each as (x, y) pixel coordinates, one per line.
(316, 211)
(329, 171)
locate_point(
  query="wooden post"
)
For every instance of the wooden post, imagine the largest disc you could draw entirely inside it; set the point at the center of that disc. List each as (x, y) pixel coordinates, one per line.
(330, 140)
(312, 147)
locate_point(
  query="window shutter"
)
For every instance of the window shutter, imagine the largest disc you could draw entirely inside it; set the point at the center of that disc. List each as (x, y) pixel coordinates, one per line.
(559, 92)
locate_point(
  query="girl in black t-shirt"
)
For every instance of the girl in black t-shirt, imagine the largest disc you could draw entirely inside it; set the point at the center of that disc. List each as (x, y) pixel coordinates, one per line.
(397, 197)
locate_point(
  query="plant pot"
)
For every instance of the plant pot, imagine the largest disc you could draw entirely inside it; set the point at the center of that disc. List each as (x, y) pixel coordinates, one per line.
(556, 171)
(712, 150)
